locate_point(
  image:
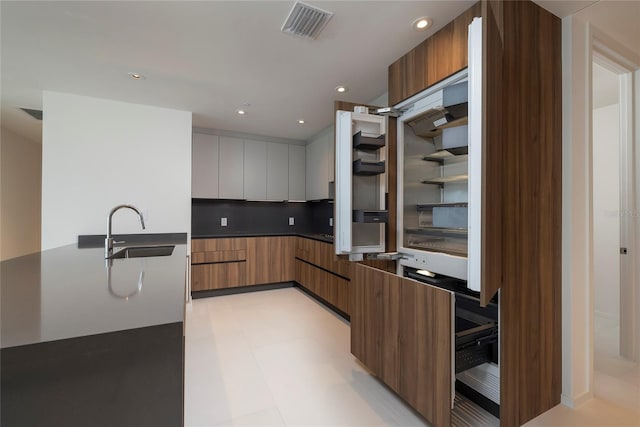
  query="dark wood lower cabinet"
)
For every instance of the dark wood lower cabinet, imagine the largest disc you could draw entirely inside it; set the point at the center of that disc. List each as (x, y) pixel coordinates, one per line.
(330, 287)
(401, 330)
(218, 276)
(261, 260)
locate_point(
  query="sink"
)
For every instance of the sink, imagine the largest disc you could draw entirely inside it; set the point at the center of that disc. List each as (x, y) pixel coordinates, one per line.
(143, 251)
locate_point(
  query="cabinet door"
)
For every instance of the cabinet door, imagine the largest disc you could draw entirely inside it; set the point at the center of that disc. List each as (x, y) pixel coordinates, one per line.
(297, 171)
(258, 260)
(317, 181)
(277, 171)
(287, 256)
(231, 168)
(313, 171)
(255, 170)
(204, 166)
(439, 56)
(402, 331)
(218, 276)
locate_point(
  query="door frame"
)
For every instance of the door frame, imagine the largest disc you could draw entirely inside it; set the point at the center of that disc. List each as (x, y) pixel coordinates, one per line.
(581, 40)
(610, 59)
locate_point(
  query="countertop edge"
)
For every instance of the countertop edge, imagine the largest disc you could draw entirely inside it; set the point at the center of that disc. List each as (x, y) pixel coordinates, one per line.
(239, 235)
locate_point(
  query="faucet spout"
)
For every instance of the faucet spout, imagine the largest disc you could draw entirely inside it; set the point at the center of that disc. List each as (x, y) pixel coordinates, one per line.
(108, 241)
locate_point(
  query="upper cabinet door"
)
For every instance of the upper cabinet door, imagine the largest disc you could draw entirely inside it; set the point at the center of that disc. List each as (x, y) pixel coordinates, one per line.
(231, 168)
(255, 170)
(441, 55)
(277, 171)
(317, 168)
(297, 171)
(361, 166)
(204, 166)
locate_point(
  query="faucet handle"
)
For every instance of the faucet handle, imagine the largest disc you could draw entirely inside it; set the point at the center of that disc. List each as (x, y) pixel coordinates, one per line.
(117, 242)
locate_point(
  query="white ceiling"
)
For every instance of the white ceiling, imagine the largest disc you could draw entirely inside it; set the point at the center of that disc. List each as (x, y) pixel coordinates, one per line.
(564, 8)
(208, 57)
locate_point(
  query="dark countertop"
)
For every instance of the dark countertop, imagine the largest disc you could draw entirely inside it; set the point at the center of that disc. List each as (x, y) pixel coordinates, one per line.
(64, 293)
(313, 236)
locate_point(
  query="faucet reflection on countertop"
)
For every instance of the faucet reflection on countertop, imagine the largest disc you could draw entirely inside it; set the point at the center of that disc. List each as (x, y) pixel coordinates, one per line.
(108, 241)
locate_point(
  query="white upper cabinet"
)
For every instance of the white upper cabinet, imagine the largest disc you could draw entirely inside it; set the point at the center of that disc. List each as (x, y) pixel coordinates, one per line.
(277, 171)
(319, 155)
(231, 168)
(255, 170)
(297, 168)
(204, 166)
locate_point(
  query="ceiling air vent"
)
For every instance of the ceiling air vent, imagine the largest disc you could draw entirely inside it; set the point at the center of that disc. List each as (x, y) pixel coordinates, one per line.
(36, 114)
(306, 21)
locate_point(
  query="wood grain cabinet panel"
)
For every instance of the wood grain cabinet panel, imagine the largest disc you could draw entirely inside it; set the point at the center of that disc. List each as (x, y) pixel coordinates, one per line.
(218, 256)
(218, 276)
(257, 260)
(402, 331)
(270, 259)
(530, 296)
(523, 169)
(438, 57)
(329, 287)
(288, 258)
(218, 263)
(213, 245)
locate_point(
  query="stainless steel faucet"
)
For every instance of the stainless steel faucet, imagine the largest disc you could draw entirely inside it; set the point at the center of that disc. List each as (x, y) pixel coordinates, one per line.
(108, 241)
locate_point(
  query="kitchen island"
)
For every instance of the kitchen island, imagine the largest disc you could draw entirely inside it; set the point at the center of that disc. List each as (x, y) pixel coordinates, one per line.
(86, 341)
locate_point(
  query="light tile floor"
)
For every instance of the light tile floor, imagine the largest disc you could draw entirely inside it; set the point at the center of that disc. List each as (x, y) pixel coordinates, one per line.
(278, 358)
(616, 379)
(616, 387)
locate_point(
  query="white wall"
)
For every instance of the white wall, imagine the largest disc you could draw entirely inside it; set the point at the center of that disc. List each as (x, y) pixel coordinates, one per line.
(99, 153)
(20, 181)
(606, 210)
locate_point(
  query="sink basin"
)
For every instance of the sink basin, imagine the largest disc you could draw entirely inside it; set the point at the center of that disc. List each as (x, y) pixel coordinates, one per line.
(143, 251)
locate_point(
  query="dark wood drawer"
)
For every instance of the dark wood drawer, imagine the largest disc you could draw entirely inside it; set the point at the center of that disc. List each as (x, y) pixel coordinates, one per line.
(218, 276)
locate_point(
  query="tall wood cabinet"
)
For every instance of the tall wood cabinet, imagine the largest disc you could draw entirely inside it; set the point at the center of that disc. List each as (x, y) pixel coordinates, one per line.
(522, 211)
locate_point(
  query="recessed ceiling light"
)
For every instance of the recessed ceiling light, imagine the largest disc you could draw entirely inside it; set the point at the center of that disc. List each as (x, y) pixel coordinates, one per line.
(421, 24)
(136, 76)
(300, 121)
(241, 111)
(342, 89)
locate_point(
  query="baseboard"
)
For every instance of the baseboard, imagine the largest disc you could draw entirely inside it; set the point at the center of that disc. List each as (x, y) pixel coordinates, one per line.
(576, 401)
(241, 290)
(324, 302)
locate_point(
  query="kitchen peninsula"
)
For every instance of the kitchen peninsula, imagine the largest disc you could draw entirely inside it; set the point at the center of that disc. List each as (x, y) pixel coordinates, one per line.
(89, 341)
